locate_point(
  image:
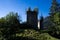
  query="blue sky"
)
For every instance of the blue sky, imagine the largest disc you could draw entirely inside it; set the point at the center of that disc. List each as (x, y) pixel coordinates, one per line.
(21, 7)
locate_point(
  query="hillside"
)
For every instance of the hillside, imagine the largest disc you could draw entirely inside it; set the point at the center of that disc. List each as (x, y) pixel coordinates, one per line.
(33, 34)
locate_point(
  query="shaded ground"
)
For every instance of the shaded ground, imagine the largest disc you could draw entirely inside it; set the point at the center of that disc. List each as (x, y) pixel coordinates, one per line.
(55, 34)
(31, 34)
(22, 38)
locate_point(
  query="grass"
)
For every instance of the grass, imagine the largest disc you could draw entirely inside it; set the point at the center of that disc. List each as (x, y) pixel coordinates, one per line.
(36, 35)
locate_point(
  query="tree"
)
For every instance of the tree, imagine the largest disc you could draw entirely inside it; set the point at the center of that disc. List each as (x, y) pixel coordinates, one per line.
(54, 7)
(10, 25)
(54, 11)
(55, 18)
(2, 21)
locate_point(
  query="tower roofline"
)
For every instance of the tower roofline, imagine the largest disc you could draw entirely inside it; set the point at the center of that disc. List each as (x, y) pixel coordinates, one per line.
(35, 9)
(29, 9)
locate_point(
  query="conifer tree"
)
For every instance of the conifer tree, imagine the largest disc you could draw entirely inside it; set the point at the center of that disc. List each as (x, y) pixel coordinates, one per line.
(54, 7)
(55, 15)
(54, 11)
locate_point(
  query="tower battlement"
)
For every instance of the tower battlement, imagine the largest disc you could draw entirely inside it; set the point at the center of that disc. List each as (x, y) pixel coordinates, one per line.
(32, 17)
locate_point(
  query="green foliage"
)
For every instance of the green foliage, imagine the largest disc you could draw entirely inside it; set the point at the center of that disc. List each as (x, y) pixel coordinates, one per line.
(9, 25)
(12, 17)
(35, 35)
(54, 7)
(55, 14)
(57, 18)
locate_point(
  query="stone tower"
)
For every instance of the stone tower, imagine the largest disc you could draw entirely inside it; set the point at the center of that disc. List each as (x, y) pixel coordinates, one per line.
(41, 22)
(32, 17)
